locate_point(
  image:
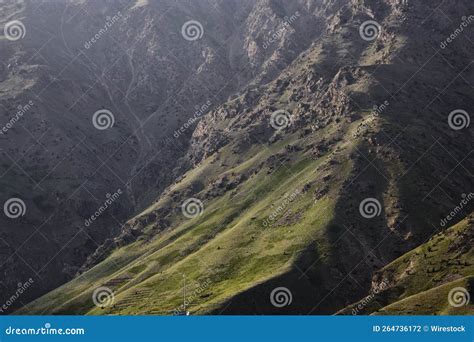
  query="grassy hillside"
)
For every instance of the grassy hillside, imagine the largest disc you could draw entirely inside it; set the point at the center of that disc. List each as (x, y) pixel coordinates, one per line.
(282, 207)
(228, 248)
(419, 281)
(434, 301)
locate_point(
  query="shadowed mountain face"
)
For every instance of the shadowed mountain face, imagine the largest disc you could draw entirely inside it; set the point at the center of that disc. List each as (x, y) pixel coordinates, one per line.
(278, 154)
(130, 63)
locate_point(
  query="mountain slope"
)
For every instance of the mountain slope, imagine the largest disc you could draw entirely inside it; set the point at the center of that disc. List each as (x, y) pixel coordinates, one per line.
(419, 281)
(281, 207)
(436, 301)
(131, 59)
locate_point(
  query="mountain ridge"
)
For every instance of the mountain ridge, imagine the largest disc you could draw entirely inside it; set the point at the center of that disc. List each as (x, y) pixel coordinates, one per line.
(281, 206)
(130, 60)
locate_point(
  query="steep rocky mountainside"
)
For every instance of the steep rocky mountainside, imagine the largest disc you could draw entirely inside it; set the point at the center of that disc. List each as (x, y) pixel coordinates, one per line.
(279, 172)
(130, 58)
(279, 198)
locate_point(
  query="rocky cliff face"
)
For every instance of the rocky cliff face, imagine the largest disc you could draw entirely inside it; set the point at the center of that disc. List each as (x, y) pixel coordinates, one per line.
(334, 101)
(130, 58)
(402, 142)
